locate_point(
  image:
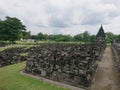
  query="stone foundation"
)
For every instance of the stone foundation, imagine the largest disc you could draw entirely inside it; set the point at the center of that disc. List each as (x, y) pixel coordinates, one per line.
(72, 64)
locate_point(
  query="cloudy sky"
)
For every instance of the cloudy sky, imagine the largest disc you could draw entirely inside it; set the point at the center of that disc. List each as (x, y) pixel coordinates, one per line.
(64, 16)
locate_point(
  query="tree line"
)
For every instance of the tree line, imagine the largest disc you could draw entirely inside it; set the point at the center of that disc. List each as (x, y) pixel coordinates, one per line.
(12, 29)
(82, 37)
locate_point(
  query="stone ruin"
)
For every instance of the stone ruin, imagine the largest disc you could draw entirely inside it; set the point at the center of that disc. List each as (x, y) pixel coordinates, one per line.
(100, 37)
(72, 64)
(116, 53)
(11, 56)
(2, 44)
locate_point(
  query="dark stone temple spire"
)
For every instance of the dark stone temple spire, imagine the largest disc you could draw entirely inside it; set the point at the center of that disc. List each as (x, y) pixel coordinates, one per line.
(100, 37)
(101, 32)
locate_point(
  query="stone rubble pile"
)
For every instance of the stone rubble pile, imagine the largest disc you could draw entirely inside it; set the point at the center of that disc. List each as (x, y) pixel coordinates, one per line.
(72, 64)
(11, 56)
(116, 53)
(2, 44)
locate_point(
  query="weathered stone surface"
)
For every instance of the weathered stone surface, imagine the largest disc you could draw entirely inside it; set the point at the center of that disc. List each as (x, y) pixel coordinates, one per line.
(73, 64)
(11, 56)
(2, 44)
(116, 52)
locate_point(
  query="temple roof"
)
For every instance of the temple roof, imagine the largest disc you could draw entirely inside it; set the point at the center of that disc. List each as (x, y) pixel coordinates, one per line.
(101, 32)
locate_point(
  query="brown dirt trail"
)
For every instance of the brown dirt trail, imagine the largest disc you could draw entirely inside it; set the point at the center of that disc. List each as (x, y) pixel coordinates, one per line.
(106, 77)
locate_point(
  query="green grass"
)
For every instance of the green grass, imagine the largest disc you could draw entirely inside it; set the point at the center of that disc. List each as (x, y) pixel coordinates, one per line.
(11, 79)
(46, 41)
(15, 46)
(24, 54)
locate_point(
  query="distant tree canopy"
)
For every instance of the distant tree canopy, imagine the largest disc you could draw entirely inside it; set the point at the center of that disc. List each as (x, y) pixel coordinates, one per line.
(92, 38)
(60, 37)
(11, 29)
(26, 35)
(41, 36)
(84, 37)
(109, 37)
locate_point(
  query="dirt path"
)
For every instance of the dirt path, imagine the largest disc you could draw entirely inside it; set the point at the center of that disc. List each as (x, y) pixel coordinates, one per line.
(106, 77)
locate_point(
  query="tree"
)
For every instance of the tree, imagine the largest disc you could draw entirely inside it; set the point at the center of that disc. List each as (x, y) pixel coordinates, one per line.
(117, 37)
(2, 31)
(60, 37)
(63, 38)
(109, 37)
(26, 35)
(86, 36)
(11, 29)
(92, 38)
(78, 37)
(51, 37)
(41, 36)
(33, 37)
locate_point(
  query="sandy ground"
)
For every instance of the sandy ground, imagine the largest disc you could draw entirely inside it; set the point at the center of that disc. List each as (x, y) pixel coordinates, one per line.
(106, 77)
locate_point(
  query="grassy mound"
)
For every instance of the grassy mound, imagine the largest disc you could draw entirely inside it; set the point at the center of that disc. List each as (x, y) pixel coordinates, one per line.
(11, 79)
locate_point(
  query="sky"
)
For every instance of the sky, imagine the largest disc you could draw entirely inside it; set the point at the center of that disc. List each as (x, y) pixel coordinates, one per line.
(64, 16)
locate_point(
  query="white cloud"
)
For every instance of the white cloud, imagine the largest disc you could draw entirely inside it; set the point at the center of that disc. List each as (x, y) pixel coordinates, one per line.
(64, 16)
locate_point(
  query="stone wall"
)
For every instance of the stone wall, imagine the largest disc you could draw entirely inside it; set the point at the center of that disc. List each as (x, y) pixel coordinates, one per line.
(73, 64)
(116, 54)
(11, 56)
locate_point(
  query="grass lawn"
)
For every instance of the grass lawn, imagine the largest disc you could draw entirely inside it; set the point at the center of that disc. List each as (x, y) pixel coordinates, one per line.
(14, 46)
(11, 79)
